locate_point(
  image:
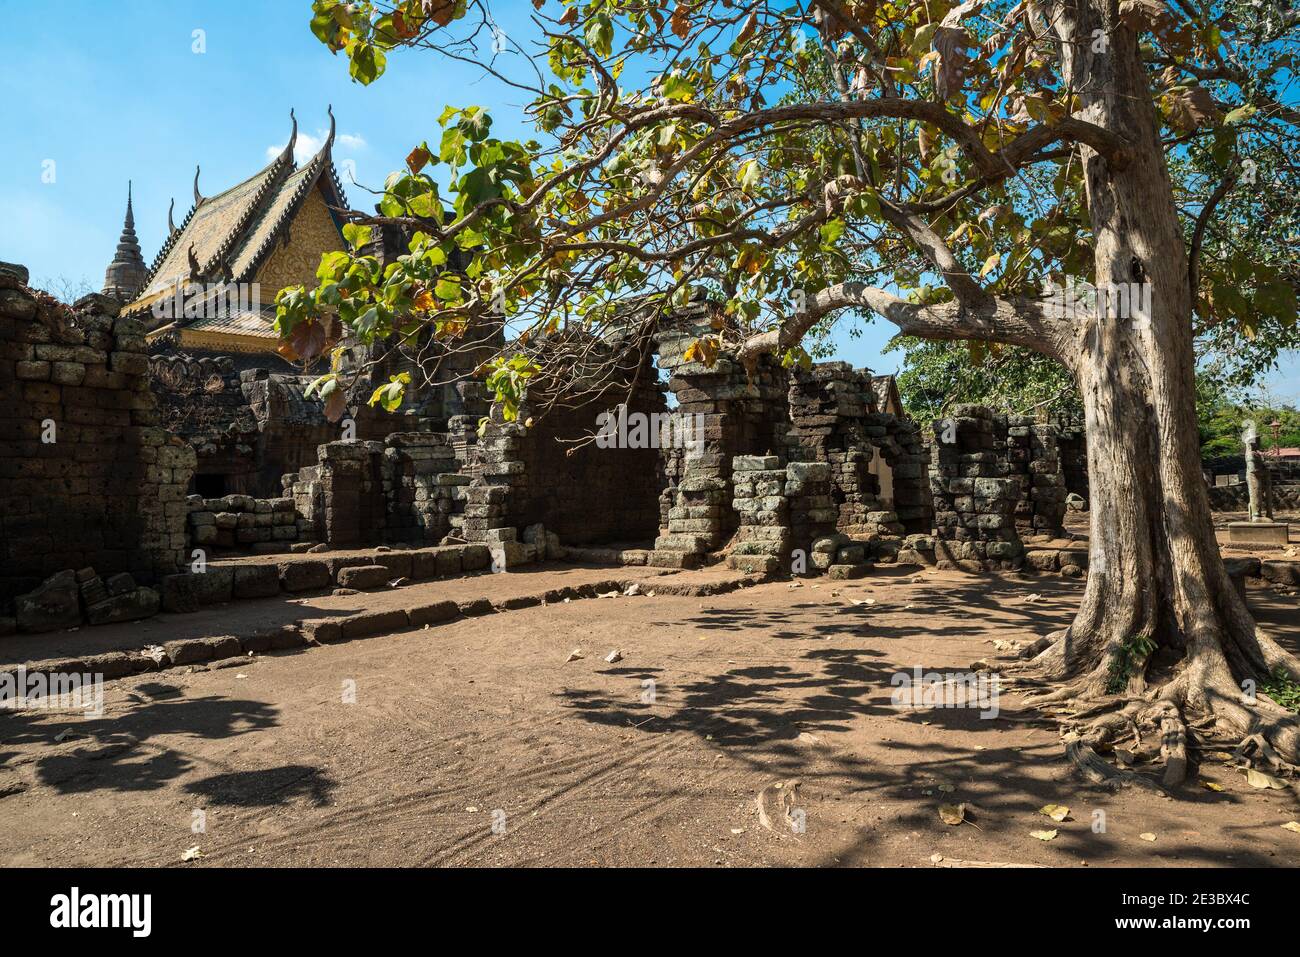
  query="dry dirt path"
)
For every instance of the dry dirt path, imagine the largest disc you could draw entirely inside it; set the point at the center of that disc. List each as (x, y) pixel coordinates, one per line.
(452, 724)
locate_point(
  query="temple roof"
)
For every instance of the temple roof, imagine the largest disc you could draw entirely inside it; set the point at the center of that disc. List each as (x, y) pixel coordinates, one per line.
(127, 273)
(887, 397)
(228, 236)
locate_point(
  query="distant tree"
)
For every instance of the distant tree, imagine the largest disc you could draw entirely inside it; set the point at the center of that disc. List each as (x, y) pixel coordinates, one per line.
(64, 288)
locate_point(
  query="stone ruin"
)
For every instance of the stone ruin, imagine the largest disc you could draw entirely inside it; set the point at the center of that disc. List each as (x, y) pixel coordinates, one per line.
(785, 471)
(90, 480)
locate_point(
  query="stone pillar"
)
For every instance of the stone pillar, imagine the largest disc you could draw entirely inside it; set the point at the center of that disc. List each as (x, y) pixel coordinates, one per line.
(762, 542)
(974, 492)
(1032, 450)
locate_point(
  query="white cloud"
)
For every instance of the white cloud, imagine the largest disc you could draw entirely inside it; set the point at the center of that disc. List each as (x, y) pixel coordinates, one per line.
(308, 145)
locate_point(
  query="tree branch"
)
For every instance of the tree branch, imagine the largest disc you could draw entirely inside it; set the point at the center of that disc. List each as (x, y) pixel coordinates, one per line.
(1017, 322)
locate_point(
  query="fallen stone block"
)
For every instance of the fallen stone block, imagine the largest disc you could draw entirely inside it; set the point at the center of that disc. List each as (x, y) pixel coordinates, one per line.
(188, 651)
(1042, 559)
(848, 572)
(754, 564)
(113, 664)
(475, 557)
(433, 614)
(215, 584)
(225, 646)
(128, 606)
(180, 594)
(662, 559)
(256, 581)
(374, 623)
(304, 575)
(1280, 573)
(54, 605)
(322, 631)
(476, 606)
(364, 577)
(287, 636)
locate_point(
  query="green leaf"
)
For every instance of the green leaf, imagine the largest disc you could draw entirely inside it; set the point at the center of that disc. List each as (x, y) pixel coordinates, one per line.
(356, 235)
(367, 62)
(678, 88)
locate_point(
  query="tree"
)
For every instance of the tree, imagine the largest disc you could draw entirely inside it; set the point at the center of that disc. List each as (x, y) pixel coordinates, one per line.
(970, 156)
(937, 375)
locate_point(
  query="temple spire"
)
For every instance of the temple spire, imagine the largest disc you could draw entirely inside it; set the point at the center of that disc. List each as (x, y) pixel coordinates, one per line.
(126, 274)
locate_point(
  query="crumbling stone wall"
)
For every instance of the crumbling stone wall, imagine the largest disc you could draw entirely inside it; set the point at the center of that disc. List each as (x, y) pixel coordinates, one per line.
(835, 419)
(1073, 448)
(89, 477)
(421, 487)
(1033, 450)
(242, 522)
(743, 413)
(975, 491)
(405, 489)
(904, 450)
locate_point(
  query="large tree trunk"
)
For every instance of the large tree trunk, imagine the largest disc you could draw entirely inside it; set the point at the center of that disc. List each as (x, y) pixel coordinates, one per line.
(1160, 625)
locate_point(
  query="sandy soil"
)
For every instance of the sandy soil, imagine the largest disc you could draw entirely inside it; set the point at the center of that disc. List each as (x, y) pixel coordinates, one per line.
(483, 720)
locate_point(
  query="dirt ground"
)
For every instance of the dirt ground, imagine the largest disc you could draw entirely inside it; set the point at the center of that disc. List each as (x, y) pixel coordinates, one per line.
(483, 722)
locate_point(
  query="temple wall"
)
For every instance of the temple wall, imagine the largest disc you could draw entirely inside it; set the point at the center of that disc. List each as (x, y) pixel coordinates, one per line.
(89, 477)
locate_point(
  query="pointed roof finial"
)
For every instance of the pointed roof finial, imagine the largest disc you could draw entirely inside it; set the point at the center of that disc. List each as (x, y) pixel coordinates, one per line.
(287, 152)
(198, 197)
(171, 223)
(126, 274)
(329, 141)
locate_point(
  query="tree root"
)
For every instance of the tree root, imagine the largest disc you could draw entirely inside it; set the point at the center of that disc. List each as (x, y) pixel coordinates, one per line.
(1102, 722)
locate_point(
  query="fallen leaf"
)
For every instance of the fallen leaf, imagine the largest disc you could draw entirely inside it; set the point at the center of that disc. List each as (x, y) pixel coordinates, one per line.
(1258, 779)
(575, 655)
(1147, 836)
(1044, 835)
(952, 814)
(1057, 812)
(1211, 785)
(1292, 826)
(191, 854)
(614, 656)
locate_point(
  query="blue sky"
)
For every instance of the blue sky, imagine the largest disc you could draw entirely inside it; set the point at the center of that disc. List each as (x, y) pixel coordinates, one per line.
(125, 96)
